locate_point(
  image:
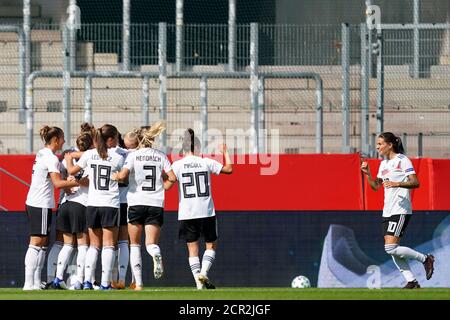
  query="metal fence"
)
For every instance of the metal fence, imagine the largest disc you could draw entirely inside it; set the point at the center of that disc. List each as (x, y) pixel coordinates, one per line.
(411, 105)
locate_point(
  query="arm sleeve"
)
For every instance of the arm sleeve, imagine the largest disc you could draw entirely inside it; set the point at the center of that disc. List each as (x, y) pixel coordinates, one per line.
(166, 164)
(214, 166)
(380, 169)
(407, 167)
(53, 164)
(175, 170)
(129, 161)
(82, 162)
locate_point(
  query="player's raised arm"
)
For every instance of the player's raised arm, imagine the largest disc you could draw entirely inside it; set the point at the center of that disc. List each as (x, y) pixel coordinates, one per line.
(228, 166)
(374, 183)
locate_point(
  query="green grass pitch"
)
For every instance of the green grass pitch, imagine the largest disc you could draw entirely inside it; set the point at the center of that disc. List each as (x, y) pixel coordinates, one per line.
(182, 293)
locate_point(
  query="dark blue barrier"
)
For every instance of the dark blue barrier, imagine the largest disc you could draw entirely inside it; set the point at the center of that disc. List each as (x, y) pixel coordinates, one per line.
(256, 249)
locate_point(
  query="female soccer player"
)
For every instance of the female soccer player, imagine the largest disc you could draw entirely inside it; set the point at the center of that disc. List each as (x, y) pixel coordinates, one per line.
(397, 175)
(196, 208)
(144, 168)
(102, 213)
(40, 201)
(52, 259)
(128, 143)
(71, 221)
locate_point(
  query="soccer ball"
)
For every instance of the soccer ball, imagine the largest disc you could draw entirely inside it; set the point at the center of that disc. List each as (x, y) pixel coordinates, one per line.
(301, 282)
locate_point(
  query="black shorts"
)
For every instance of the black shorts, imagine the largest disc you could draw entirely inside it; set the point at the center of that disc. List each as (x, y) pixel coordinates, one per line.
(102, 217)
(395, 225)
(39, 220)
(71, 218)
(190, 230)
(123, 214)
(145, 215)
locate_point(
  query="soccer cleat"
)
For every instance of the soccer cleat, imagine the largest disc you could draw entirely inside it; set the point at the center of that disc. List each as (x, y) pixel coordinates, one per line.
(412, 285)
(45, 285)
(87, 286)
(108, 287)
(119, 285)
(138, 288)
(199, 285)
(59, 284)
(27, 288)
(158, 269)
(206, 282)
(132, 286)
(78, 286)
(428, 264)
(96, 285)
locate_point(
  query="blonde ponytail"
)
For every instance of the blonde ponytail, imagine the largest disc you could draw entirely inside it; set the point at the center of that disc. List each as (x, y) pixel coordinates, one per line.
(147, 136)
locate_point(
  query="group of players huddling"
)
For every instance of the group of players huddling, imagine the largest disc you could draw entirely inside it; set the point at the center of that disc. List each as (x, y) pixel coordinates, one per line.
(113, 191)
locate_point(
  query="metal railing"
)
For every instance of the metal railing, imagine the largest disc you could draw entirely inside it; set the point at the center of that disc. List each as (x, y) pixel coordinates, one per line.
(257, 110)
(342, 57)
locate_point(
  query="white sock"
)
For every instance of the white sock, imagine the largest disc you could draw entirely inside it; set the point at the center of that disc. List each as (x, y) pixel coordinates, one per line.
(31, 260)
(81, 261)
(52, 260)
(108, 257)
(153, 249)
(39, 266)
(409, 253)
(194, 263)
(63, 259)
(403, 266)
(136, 263)
(404, 252)
(91, 263)
(124, 259)
(115, 268)
(207, 261)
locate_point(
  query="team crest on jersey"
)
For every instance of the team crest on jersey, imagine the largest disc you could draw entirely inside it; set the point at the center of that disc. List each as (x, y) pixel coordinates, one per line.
(384, 172)
(398, 168)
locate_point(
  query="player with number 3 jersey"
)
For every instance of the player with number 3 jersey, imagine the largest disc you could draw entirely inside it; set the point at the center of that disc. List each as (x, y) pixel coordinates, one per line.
(144, 169)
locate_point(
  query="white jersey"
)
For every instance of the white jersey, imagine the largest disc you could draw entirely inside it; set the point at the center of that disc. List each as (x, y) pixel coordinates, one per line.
(103, 191)
(194, 186)
(146, 186)
(123, 188)
(41, 193)
(396, 200)
(80, 194)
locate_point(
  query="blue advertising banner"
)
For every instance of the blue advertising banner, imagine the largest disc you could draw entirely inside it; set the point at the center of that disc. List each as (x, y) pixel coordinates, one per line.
(269, 249)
